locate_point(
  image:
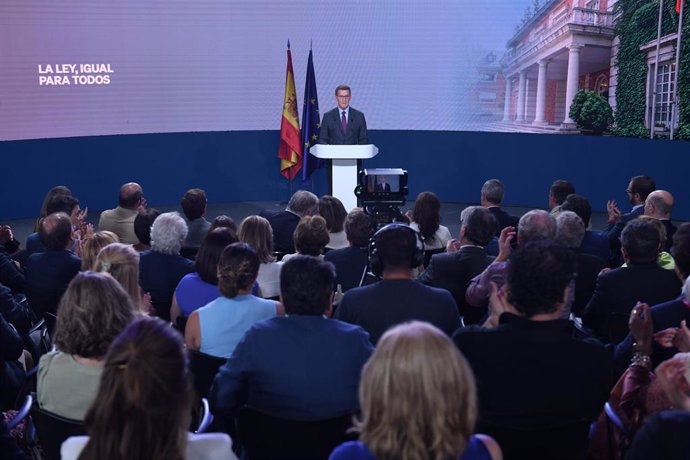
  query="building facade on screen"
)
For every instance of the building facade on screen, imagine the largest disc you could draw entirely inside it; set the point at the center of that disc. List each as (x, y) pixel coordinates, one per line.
(567, 45)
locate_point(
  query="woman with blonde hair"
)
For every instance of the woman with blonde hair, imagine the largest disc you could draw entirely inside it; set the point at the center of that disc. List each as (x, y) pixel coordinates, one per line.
(92, 246)
(121, 261)
(418, 401)
(144, 403)
(256, 231)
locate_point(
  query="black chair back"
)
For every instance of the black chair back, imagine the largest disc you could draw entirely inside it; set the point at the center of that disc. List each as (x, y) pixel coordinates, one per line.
(38, 341)
(52, 430)
(204, 369)
(266, 436)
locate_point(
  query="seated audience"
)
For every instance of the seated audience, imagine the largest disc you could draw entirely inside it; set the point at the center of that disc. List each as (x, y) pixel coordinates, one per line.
(93, 311)
(302, 365)
(395, 251)
(60, 203)
(643, 280)
(142, 227)
(418, 401)
(594, 242)
(666, 316)
(162, 268)
(558, 192)
(53, 192)
(10, 273)
(659, 204)
(540, 387)
(257, 233)
(193, 205)
(121, 261)
(332, 209)
(569, 232)
(535, 225)
(92, 246)
(425, 217)
(121, 219)
(200, 287)
(12, 374)
(351, 262)
(143, 406)
(465, 259)
(283, 223)
(48, 273)
(224, 221)
(664, 259)
(216, 328)
(491, 198)
(311, 237)
(664, 435)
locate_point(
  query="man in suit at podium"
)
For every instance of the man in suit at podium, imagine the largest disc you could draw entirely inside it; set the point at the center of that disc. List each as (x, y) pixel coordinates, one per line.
(342, 126)
(383, 186)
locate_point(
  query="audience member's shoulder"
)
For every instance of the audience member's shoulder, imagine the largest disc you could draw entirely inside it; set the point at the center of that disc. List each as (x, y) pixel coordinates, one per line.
(352, 450)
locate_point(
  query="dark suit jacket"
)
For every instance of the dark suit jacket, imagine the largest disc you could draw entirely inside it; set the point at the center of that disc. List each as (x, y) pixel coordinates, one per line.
(617, 292)
(670, 231)
(349, 265)
(383, 187)
(588, 268)
(453, 271)
(331, 131)
(47, 276)
(503, 219)
(283, 224)
(378, 306)
(34, 244)
(597, 244)
(294, 366)
(532, 376)
(664, 315)
(159, 275)
(613, 232)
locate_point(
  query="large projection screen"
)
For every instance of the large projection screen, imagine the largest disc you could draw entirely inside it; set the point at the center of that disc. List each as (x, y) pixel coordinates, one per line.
(85, 68)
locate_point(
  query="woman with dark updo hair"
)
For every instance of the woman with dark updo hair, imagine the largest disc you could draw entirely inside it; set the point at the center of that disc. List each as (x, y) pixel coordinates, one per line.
(216, 328)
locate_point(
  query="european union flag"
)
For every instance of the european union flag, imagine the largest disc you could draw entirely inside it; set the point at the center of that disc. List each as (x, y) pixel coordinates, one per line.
(311, 122)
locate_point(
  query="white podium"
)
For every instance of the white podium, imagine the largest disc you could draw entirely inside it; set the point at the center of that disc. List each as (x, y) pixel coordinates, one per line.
(345, 168)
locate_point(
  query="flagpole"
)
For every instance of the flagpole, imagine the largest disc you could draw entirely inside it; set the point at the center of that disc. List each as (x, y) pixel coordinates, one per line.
(656, 71)
(675, 108)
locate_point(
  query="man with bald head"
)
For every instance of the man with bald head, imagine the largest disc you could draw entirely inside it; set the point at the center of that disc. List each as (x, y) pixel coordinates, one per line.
(121, 219)
(659, 204)
(48, 273)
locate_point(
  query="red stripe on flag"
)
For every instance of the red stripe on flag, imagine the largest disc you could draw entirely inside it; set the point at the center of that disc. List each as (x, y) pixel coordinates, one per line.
(678, 3)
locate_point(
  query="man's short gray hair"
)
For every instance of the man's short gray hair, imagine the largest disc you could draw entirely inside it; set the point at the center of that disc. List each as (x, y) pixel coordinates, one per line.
(493, 191)
(479, 224)
(570, 230)
(536, 225)
(167, 233)
(303, 203)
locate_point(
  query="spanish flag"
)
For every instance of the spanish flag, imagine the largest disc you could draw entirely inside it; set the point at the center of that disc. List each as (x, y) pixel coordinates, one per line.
(290, 149)
(678, 2)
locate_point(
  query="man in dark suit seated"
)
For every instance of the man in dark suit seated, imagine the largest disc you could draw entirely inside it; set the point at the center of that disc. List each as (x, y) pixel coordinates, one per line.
(350, 262)
(659, 204)
(594, 242)
(667, 315)
(539, 387)
(569, 232)
(283, 223)
(558, 192)
(465, 259)
(48, 273)
(394, 252)
(302, 365)
(638, 190)
(642, 280)
(491, 198)
(60, 203)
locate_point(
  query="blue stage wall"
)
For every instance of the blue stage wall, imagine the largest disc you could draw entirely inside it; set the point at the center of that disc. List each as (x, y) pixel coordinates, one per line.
(242, 166)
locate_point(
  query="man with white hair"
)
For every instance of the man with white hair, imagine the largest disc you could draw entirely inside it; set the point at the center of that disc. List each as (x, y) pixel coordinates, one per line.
(659, 204)
(162, 267)
(283, 223)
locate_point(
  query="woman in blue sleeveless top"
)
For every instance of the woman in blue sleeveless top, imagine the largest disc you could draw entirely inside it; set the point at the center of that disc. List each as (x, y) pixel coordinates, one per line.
(418, 401)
